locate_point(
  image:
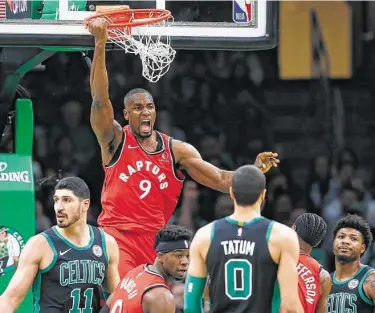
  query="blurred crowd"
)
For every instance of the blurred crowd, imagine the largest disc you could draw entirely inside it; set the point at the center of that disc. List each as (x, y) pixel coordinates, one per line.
(215, 101)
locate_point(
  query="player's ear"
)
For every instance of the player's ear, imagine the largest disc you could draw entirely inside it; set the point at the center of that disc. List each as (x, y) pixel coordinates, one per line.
(86, 204)
(160, 257)
(294, 227)
(264, 194)
(126, 116)
(363, 248)
(231, 193)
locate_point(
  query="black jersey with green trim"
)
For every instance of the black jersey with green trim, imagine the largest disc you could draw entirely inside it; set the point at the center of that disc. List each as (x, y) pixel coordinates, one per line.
(348, 295)
(72, 283)
(242, 273)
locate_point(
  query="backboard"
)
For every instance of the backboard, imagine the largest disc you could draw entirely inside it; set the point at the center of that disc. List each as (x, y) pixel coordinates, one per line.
(198, 25)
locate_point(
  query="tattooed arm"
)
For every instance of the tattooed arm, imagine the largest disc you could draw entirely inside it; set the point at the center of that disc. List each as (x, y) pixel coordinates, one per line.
(325, 289)
(369, 287)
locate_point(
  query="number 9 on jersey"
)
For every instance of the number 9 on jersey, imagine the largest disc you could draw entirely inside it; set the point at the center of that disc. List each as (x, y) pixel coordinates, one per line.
(145, 186)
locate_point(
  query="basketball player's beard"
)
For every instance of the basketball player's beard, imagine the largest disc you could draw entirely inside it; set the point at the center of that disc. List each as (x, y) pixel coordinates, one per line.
(140, 136)
(145, 136)
(346, 259)
(74, 219)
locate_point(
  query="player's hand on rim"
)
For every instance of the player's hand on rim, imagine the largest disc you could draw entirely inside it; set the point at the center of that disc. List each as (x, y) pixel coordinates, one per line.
(266, 160)
(98, 28)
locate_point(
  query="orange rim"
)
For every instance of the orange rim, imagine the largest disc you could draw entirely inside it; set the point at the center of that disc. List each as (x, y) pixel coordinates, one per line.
(122, 18)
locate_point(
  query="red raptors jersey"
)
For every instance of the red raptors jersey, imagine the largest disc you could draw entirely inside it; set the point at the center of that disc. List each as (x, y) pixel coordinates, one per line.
(308, 270)
(129, 293)
(141, 189)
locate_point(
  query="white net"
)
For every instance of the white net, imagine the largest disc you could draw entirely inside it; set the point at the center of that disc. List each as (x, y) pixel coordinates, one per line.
(154, 50)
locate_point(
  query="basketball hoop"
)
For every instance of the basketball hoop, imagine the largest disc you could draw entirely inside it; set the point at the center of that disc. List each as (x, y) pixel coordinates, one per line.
(139, 31)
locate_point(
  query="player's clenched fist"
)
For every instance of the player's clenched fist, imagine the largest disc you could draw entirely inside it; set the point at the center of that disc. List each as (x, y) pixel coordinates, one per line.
(98, 28)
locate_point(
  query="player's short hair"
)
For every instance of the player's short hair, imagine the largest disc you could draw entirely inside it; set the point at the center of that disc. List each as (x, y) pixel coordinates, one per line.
(356, 222)
(75, 184)
(134, 91)
(311, 228)
(173, 233)
(248, 183)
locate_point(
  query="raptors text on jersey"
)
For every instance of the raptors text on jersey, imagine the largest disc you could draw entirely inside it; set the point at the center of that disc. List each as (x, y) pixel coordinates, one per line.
(148, 167)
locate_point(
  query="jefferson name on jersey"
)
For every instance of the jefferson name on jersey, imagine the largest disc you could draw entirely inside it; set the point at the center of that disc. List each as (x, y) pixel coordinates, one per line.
(309, 280)
(82, 272)
(341, 302)
(146, 166)
(236, 246)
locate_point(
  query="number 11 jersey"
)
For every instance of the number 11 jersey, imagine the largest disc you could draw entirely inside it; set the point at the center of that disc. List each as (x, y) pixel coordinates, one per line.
(72, 283)
(242, 274)
(141, 188)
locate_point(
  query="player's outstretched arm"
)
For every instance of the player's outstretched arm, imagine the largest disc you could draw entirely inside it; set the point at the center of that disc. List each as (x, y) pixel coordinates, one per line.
(209, 175)
(158, 300)
(197, 273)
(325, 289)
(24, 276)
(112, 276)
(108, 132)
(284, 249)
(369, 286)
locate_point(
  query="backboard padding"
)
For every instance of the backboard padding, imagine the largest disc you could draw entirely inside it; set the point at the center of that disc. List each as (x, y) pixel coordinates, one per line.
(68, 31)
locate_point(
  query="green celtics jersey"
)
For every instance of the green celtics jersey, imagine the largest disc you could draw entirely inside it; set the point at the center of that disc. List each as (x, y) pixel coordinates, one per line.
(72, 283)
(348, 296)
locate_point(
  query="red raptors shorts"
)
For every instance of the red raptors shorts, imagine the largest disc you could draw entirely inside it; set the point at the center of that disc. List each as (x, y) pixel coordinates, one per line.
(135, 249)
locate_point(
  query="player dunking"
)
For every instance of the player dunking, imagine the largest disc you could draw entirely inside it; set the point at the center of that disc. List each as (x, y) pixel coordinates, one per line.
(142, 181)
(353, 284)
(314, 282)
(67, 264)
(243, 255)
(146, 288)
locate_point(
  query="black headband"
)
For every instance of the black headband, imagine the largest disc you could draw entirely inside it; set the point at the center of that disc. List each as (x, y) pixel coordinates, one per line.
(169, 246)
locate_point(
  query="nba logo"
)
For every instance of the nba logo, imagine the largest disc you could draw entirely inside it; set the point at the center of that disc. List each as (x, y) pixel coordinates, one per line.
(242, 11)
